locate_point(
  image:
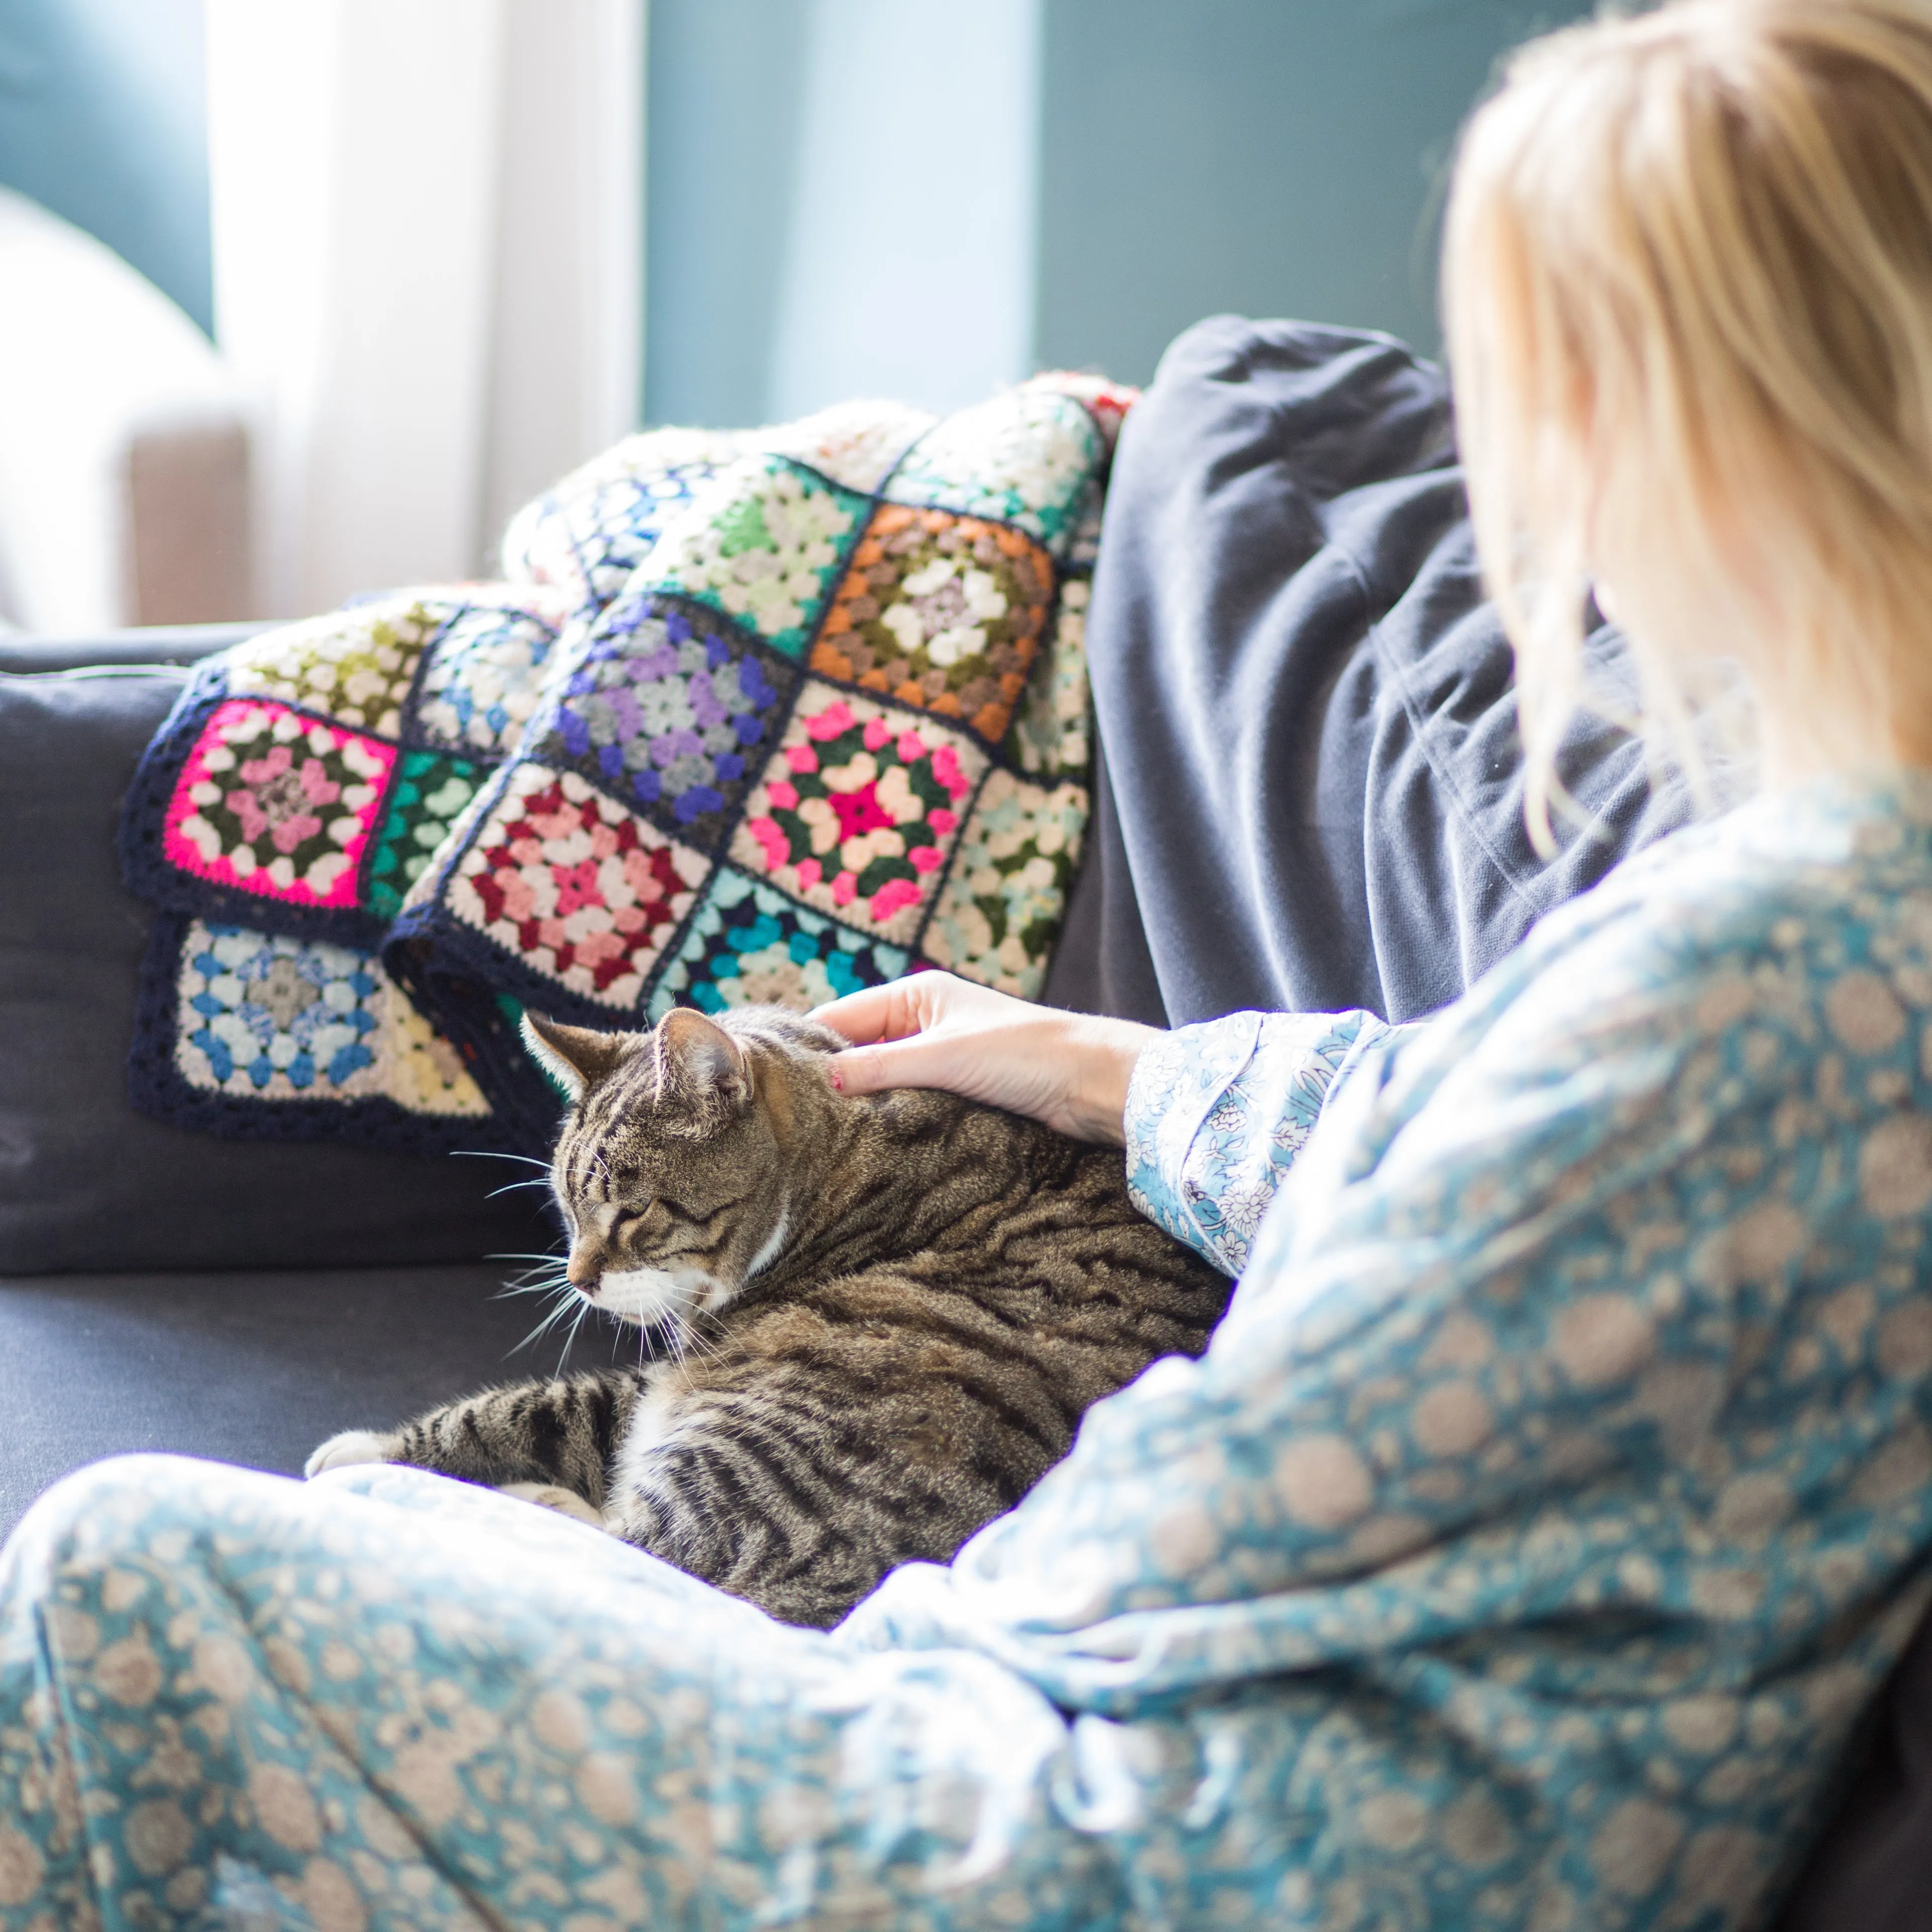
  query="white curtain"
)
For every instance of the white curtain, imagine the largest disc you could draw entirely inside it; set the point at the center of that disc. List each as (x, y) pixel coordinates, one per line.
(428, 268)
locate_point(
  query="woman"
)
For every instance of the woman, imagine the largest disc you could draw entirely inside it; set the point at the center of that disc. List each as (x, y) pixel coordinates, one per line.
(1555, 1493)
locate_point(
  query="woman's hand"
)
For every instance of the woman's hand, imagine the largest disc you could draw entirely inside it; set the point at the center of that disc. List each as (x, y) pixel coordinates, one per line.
(1069, 1069)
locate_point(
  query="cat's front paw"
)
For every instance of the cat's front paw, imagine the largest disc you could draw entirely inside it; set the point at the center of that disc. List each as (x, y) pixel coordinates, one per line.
(553, 1496)
(353, 1445)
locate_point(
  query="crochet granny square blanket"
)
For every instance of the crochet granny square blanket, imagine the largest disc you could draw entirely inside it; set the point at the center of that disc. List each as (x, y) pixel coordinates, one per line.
(766, 715)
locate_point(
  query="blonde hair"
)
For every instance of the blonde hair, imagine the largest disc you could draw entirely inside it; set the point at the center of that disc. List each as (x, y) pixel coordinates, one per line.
(1688, 292)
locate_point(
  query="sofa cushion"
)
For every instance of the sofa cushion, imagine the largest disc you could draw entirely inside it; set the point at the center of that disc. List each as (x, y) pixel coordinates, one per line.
(87, 1183)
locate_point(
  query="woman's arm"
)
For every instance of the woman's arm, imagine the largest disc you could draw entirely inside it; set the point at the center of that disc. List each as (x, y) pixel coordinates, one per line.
(1071, 1070)
(1499, 1334)
(1211, 1116)
(1217, 1114)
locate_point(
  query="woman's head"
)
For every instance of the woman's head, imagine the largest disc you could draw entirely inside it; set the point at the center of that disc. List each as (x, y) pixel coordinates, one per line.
(1688, 285)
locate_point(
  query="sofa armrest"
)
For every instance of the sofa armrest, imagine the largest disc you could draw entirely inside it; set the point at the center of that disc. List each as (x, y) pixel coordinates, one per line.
(124, 443)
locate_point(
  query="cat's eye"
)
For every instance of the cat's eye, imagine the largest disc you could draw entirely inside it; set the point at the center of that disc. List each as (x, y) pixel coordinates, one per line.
(653, 1214)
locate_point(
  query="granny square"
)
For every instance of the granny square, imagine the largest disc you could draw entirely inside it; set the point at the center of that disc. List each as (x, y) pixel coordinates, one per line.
(999, 914)
(585, 537)
(941, 611)
(1049, 738)
(762, 544)
(272, 803)
(356, 665)
(1107, 402)
(428, 794)
(574, 888)
(749, 945)
(857, 444)
(858, 810)
(261, 1016)
(484, 672)
(670, 709)
(1023, 458)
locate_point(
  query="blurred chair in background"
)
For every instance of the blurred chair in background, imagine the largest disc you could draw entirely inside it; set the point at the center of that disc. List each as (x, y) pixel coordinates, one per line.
(124, 455)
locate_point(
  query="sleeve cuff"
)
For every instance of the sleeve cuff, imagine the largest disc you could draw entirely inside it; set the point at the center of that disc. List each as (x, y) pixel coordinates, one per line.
(1216, 1114)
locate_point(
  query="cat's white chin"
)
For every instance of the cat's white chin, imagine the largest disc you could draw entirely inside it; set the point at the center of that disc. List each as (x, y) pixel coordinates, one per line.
(649, 1295)
(352, 1446)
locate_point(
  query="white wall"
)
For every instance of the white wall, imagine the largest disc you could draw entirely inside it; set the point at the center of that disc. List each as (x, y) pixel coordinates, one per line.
(565, 370)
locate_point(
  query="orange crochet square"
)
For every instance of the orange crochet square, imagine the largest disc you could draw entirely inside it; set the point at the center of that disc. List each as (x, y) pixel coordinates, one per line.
(941, 611)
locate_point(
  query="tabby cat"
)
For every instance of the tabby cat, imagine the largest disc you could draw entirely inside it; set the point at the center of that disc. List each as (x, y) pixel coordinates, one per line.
(878, 1319)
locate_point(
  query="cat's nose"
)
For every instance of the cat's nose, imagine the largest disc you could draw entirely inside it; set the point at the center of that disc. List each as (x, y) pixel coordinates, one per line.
(582, 1269)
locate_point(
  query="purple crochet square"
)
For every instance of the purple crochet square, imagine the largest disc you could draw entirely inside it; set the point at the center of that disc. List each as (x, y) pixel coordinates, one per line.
(673, 715)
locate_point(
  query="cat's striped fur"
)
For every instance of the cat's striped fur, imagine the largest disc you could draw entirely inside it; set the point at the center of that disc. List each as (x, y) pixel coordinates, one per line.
(881, 1318)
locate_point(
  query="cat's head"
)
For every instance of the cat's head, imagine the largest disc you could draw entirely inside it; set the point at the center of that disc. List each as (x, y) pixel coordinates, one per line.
(674, 1166)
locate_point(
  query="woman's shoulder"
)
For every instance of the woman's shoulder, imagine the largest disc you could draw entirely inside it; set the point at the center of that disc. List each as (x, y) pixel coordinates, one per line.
(1796, 927)
(1821, 879)
(1751, 987)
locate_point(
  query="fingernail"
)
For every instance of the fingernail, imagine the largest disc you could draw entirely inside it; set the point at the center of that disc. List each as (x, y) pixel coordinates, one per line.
(838, 1079)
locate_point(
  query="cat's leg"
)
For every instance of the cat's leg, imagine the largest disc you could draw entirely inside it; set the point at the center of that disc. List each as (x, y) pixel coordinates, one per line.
(364, 1445)
(550, 1435)
(547, 1495)
(350, 1446)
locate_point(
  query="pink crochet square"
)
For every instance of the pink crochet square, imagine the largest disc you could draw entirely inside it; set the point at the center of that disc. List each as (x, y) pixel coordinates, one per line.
(859, 810)
(272, 802)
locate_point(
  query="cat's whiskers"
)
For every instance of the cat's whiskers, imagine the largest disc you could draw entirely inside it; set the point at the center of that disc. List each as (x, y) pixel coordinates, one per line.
(688, 1340)
(551, 1265)
(564, 1295)
(543, 1326)
(486, 1153)
(534, 1279)
(570, 1340)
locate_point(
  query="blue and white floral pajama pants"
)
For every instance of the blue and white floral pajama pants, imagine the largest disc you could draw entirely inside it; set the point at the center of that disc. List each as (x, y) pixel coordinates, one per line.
(387, 1700)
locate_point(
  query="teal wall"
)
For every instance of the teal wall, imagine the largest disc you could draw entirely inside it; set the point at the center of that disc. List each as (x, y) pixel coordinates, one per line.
(720, 130)
(1271, 157)
(1275, 156)
(843, 201)
(103, 119)
(1267, 157)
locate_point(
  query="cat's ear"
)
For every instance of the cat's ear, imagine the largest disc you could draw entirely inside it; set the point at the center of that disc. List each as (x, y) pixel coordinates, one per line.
(700, 1066)
(576, 1057)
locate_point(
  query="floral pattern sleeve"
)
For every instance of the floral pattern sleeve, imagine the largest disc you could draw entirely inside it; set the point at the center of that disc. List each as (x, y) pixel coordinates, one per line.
(1216, 1114)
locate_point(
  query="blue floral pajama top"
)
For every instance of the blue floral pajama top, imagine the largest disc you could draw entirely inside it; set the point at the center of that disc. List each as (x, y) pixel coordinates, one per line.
(1553, 1498)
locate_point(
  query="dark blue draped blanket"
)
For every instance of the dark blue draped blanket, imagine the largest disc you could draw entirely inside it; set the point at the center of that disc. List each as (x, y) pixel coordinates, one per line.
(1312, 797)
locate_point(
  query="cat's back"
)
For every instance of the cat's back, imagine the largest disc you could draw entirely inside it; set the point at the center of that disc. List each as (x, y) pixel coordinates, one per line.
(993, 1197)
(995, 1255)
